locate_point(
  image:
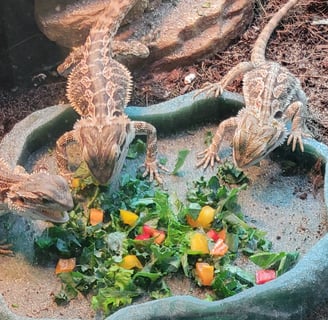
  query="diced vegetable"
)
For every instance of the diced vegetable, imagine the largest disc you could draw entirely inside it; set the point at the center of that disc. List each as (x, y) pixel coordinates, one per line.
(147, 229)
(131, 261)
(75, 183)
(263, 276)
(212, 234)
(193, 223)
(149, 232)
(204, 219)
(216, 235)
(143, 236)
(65, 265)
(222, 234)
(159, 236)
(219, 249)
(204, 273)
(96, 216)
(198, 242)
(119, 260)
(128, 217)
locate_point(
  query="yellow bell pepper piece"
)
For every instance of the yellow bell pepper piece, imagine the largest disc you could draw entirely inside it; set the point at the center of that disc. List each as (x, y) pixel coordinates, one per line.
(128, 217)
(75, 183)
(204, 219)
(131, 261)
(198, 242)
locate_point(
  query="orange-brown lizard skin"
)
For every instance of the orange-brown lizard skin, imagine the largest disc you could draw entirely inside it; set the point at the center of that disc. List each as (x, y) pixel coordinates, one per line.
(99, 89)
(273, 97)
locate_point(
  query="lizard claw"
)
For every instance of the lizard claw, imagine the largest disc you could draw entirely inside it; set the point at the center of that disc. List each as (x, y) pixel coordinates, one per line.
(296, 137)
(151, 168)
(210, 89)
(208, 157)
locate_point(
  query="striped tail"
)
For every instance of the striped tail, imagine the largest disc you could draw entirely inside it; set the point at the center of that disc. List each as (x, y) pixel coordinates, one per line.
(258, 53)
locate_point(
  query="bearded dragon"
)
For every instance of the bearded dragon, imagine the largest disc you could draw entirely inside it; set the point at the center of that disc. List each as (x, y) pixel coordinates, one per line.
(38, 195)
(99, 89)
(273, 97)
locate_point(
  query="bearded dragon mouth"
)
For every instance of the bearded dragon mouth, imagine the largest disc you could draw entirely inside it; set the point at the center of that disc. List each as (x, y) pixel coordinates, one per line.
(53, 215)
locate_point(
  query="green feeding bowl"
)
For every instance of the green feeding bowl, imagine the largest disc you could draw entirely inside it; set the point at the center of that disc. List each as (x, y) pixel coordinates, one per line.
(291, 296)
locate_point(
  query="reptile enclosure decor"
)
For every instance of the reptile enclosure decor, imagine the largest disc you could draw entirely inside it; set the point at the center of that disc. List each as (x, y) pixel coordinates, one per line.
(288, 297)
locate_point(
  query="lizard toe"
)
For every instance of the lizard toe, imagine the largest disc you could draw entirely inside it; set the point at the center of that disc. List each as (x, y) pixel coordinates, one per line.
(151, 169)
(295, 138)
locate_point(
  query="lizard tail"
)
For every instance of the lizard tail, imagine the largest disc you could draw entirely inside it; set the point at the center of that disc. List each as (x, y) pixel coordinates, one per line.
(258, 53)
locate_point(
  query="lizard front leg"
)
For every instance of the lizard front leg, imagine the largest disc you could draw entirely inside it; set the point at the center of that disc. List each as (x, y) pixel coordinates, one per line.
(151, 163)
(71, 61)
(210, 155)
(295, 112)
(133, 47)
(61, 154)
(216, 89)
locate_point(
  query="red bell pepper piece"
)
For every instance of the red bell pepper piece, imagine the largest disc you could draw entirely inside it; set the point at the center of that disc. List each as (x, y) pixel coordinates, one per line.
(263, 276)
(219, 249)
(212, 234)
(147, 230)
(142, 236)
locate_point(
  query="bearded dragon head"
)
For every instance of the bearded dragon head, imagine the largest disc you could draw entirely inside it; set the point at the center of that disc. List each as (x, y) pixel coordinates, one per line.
(41, 196)
(256, 136)
(105, 144)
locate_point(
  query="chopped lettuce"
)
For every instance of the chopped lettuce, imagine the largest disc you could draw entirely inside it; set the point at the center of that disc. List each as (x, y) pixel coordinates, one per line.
(99, 249)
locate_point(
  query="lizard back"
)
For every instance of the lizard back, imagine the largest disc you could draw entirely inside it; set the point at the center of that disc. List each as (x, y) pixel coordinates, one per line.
(99, 86)
(271, 88)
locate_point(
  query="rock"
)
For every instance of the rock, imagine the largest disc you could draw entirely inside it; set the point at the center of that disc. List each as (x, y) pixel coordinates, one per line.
(189, 30)
(68, 22)
(197, 28)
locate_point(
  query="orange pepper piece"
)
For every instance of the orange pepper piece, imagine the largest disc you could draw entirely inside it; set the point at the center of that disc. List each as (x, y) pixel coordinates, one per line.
(159, 236)
(65, 265)
(222, 234)
(96, 216)
(204, 273)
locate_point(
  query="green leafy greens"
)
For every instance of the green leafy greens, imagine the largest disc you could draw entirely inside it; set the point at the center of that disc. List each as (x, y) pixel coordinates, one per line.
(99, 249)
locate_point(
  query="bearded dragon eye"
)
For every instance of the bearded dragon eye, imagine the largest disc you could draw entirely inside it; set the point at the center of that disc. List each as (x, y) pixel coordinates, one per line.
(21, 199)
(278, 114)
(45, 201)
